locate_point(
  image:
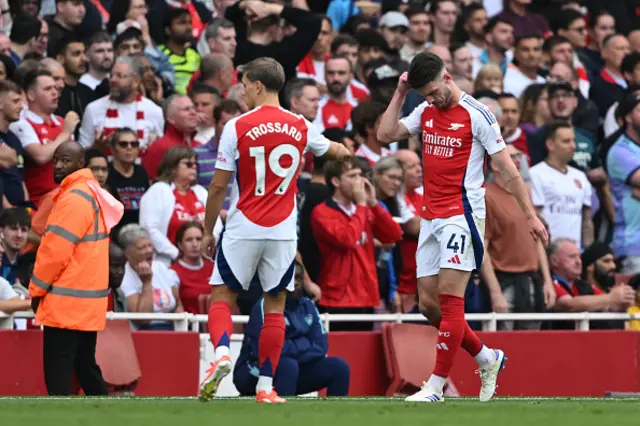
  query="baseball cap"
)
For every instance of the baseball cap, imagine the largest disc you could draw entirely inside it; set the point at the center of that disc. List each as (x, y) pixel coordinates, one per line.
(384, 72)
(394, 19)
(560, 85)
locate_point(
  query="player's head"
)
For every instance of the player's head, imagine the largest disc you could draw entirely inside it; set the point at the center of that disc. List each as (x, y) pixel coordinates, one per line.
(261, 77)
(67, 158)
(561, 142)
(429, 77)
(342, 177)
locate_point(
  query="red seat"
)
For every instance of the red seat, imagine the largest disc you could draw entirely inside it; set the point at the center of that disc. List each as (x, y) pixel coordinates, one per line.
(116, 356)
(410, 354)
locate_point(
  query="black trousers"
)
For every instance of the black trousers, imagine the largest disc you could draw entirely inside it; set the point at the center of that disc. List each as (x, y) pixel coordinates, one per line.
(65, 351)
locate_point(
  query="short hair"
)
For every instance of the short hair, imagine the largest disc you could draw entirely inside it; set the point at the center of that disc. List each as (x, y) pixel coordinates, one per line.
(171, 159)
(553, 128)
(211, 32)
(27, 66)
(341, 40)
(343, 57)
(97, 38)
(167, 107)
(368, 38)
(610, 37)
(467, 11)
(454, 47)
(7, 86)
(413, 11)
(31, 79)
(629, 62)
(526, 37)
(387, 163)
(295, 86)
(128, 34)
(267, 71)
(200, 89)
(507, 95)
(563, 18)
(211, 65)
(130, 233)
(60, 48)
(94, 153)
(172, 14)
(338, 168)
(555, 245)
(493, 22)
(365, 115)
(115, 136)
(16, 216)
(133, 62)
(228, 106)
(435, 5)
(24, 28)
(553, 41)
(425, 68)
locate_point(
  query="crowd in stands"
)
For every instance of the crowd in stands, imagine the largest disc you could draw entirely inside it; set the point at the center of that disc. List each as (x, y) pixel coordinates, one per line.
(147, 86)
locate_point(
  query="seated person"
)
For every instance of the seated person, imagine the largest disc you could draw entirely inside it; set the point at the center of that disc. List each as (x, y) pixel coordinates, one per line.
(10, 302)
(304, 365)
(148, 284)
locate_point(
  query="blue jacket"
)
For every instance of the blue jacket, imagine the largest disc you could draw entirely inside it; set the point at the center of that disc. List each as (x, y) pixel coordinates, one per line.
(305, 339)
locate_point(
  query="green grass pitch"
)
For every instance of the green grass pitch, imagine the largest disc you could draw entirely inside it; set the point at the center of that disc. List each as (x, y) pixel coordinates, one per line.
(316, 412)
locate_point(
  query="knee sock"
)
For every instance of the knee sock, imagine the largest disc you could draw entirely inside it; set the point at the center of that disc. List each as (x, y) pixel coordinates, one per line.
(220, 328)
(269, 348)
(450, 334)
(472, 344)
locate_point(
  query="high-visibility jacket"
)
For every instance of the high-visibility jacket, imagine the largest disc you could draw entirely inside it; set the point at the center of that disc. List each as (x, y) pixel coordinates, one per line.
(72, 264)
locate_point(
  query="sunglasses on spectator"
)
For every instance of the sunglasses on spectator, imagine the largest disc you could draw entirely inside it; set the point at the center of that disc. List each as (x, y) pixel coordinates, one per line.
(129, 144)
(190, 164)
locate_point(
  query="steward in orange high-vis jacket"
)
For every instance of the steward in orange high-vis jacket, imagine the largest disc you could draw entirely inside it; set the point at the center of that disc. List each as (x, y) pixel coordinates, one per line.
(70, 279)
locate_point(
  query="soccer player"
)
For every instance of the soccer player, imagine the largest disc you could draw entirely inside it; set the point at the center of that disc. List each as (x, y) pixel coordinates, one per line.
(457, 133)
(264, 148)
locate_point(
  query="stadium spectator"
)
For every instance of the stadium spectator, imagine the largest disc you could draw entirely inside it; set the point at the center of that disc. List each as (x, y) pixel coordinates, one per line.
(57, 71)
(199, 13)
(511, 132)
(65, 23)
(622, 164)
(153, 86)
(41, 132)
(42, 43)
(366, 118)
(515, 267)
(634, 325)
(528, 56)
(117, 260)
(535, 108)
(216, 71)
(313, 65)
(148, 284)
(335, 109)
(461, 62)
(634, 40)
(171, 201)
(13, 190)
(126, 180)
(11, 302)
(182, 122)
(185, 59)
(99, 54)
(499, 41)
(393, 26)
(219, 37)
(124, 107)
(236, 94)
(418, 35)
(14, 228)
(444, 14)
(372, 46)
(489, 78)
(192, 269)
(560, 193)
(474, 20)
(207, 154)
(576, 295)
(25, 32)
(303, 97)
(96, 161)
(630, 69)
(70, 53)
(204, 99)
(304, 366)
(609, 85)
(345, 226)
(600, 25)
(256, 39)
(383, 77)
(599, 266)
(524, 22)
(443, 53)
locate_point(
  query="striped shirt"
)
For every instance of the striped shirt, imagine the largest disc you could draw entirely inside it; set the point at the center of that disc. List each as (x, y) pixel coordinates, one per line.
(206, 156)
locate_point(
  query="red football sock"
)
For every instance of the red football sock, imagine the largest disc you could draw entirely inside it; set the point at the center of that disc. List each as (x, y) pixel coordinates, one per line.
(450, 333)
(470, 341)
(220, 324)
(271, 343)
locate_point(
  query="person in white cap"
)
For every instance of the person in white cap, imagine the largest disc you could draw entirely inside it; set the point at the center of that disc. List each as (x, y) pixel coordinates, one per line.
(394, 27)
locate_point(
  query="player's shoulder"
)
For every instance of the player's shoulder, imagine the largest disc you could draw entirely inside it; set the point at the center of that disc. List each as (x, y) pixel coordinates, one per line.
(358, 88)
(478, 112)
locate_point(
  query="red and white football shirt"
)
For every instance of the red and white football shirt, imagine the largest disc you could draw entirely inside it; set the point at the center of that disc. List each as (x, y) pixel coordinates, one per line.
(372, 157)
(357, 92)
(265, 148)
(187, 209)
(455, 142)
(334, 114)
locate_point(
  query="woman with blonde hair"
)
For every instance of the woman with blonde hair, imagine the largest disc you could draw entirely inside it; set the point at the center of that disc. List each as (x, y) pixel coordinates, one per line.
(172, 201)
(489, 78)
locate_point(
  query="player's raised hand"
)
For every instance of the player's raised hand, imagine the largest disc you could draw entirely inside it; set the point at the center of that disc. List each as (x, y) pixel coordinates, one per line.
(538, 230)
(208, 246)
(403, 86)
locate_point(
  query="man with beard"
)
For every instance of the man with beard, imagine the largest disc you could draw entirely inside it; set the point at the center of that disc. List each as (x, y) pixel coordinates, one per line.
(445, 13)
(499, 39)
(100, 60)
(335, 109)
(599, 266)
(474, 20)
(185, 59)
(65, 23)
(41, 132)
(124, 107)
(75, 96)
